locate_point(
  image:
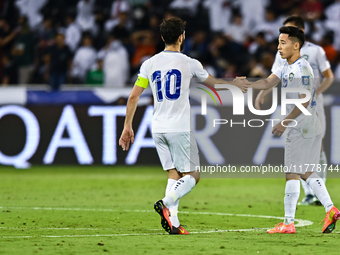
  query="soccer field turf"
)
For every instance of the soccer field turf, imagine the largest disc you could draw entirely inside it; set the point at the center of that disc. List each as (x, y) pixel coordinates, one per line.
(95, 209)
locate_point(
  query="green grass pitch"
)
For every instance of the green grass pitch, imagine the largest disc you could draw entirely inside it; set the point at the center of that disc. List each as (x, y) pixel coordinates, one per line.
(95, 209)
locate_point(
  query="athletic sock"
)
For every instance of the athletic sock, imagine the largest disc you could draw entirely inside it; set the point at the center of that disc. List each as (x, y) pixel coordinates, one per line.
(324, 167)
(292, 193)
(320, 190)
(174, 207)
(182, 187)
(306, 188)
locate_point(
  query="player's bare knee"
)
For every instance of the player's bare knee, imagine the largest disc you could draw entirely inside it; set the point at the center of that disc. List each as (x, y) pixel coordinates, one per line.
(196, 175)
(174, 174)
(292, 176)
(306, 175)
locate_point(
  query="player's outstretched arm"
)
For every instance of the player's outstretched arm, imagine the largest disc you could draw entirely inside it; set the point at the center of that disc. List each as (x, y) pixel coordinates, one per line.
(240, 82)
(327, 81)
(127, 134)
(279, 128)
(261, 96)
(264, 84)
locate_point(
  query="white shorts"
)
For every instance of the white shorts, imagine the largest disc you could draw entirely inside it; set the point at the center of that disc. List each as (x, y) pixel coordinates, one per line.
(320, 110)
(301, 153)
(177, 150)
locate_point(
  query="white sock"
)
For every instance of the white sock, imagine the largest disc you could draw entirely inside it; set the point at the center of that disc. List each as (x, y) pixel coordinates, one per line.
(306, 188)
(323, 163)
(174, 207)
(292, 193)
(320, 190)
(182, 187)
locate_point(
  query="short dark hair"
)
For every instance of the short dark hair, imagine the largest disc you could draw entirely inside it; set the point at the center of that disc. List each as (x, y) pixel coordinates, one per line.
(295, 33)
(297, 20)
(171, 29)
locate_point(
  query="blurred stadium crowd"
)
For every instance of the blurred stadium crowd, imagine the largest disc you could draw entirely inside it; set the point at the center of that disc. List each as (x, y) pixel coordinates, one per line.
(104, 42)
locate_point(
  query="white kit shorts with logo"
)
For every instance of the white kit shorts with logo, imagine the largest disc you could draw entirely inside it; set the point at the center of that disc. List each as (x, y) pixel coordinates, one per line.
(177, 150)
(301, 153)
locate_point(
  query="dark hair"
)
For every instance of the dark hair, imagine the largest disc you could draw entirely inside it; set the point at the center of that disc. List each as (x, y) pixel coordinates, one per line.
(294, 32)
(297, 20)
(171, 29)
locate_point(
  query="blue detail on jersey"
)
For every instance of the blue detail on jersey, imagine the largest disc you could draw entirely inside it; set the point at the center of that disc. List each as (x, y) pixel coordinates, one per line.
(156, 77)
(305, 80)
(284, 82)
(313, 102)
(178, 79)
(296, 60)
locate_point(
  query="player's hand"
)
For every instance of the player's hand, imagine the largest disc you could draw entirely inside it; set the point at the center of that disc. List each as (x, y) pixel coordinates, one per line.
(278, 129)
(259, 100)
(126, 137)
(242, 83)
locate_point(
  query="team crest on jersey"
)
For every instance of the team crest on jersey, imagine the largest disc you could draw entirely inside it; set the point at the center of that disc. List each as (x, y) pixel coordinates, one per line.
(291, 76)
(305, 80)
(284, 82)
(305, 57)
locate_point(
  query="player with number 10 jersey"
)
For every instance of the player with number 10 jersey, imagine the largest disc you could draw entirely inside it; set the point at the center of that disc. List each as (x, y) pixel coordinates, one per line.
(169, 74)
(170, 88)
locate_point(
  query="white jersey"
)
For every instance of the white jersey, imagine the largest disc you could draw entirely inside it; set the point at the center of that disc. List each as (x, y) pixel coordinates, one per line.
(169, 74)
(316, 57)
(300, 75)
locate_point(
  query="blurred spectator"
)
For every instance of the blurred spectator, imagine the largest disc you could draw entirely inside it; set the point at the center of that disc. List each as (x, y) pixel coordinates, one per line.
(6, 38)
(10, 74)
(226, 48)
(183, 8)
(116, 64)
(237, 31)
(154, 22)
(30, 9)
(267, 61)
(103, 52)
(332, 12)
(230, 71)
(119, 6)
(96, 76)
(327, 45)
(219, 14)
(85, 17)
(7, 35)
(144, 48)
(257, 70)
(59, 62)
(196, 46)
(333, 19)
(72, 33)
(270, 26)
(119, 16)
(84, 58)
(259, 47)
(253, 11)
(282, 7)
(23, 50)
(46, 32)
(311, 10)
(122, 28)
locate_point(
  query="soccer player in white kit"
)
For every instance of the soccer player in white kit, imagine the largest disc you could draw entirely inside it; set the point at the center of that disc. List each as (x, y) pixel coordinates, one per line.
(169, 74)
(316, 57)
(304, 132)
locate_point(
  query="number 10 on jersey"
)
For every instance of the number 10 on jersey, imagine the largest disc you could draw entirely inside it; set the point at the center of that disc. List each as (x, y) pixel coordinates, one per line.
(157, 78)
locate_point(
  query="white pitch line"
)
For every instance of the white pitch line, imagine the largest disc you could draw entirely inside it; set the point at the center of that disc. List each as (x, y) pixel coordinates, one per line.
(136, 234)
(300, 223)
